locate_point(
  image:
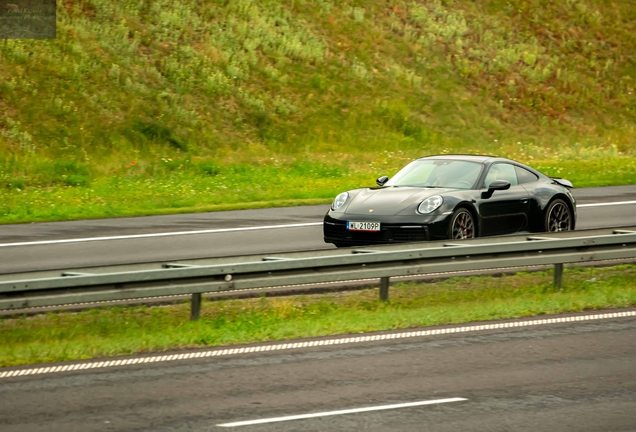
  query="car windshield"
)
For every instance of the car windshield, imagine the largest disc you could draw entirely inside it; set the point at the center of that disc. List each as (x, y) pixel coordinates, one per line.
(443, 173)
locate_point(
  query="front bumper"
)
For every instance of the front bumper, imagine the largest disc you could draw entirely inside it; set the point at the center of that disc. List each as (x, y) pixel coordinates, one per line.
(392, 230)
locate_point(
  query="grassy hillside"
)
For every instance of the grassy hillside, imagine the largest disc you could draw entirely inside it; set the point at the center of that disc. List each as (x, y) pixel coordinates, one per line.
(144, 107)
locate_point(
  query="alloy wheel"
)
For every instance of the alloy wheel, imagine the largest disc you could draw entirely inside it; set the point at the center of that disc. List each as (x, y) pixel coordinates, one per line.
(559, 218)
(463, 226)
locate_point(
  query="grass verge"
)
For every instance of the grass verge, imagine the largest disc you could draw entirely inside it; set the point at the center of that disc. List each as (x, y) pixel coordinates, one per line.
(137, 329)
(192, 186)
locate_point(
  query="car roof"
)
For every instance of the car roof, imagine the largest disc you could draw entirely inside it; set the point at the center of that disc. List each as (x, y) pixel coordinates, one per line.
(466, 157)
(481, 159)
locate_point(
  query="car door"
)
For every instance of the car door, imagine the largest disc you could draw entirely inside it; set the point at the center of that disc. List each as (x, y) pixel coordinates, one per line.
(538, 198)
(505, 211)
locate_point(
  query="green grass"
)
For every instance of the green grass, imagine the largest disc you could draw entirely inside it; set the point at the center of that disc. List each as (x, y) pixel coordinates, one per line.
(186, 186)
(137, 329)
(288, 101)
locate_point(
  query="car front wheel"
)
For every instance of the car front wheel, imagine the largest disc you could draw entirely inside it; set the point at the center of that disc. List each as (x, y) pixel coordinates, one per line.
(462, 225)
(558, 217)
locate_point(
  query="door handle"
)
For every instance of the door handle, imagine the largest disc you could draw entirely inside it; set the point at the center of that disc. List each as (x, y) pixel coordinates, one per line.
(524, 200)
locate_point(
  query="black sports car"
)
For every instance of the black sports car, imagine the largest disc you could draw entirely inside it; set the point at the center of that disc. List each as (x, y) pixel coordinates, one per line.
(451, 196)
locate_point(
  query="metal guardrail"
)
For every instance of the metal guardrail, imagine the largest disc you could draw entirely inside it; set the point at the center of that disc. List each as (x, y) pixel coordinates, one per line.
(381, 262)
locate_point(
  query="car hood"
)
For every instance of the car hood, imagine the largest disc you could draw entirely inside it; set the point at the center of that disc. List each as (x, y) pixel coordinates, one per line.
(390, 201)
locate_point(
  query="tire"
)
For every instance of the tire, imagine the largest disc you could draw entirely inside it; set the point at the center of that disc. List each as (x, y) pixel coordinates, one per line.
(462, 225)
(558, 217)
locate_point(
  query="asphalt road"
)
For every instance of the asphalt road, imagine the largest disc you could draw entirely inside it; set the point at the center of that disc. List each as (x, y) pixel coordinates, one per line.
(235, 233)
(575, 376)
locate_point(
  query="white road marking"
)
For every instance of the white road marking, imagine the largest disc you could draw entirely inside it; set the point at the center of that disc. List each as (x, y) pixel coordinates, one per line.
(341, 412)
(217, 231)
(605, 204)
(166, 234)
(309, 344)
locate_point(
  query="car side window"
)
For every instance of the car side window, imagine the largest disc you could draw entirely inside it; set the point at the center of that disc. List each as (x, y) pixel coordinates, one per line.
(525, 176)
(501, 171)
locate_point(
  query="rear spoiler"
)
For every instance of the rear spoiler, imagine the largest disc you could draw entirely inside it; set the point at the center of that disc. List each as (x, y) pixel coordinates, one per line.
(563, 182)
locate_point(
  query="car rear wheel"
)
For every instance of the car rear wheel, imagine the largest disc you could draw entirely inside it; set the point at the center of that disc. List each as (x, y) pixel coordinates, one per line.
(558, 217)
(462, 225)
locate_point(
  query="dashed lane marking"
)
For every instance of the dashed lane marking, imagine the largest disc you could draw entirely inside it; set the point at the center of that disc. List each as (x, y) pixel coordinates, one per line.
(223, 230)
(165, 234)
(307, 344)
(341, 412)
(605, 204)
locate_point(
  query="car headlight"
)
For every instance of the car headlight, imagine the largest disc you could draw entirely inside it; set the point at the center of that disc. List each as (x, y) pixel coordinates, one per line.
(340, 200)
(430, 204)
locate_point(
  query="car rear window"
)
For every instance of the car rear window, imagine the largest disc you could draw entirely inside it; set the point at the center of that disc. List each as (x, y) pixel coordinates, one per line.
(525, 176)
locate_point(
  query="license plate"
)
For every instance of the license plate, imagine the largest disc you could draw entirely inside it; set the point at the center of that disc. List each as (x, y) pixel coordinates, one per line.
(363, 226)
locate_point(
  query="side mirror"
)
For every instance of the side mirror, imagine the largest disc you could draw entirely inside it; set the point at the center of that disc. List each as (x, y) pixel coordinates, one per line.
(495, 186)
(381, 180)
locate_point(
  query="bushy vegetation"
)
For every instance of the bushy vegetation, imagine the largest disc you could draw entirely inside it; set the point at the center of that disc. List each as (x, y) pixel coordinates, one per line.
(141, 107)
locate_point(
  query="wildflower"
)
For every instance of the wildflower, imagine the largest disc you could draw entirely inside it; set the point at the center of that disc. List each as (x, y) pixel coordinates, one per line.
(133, 163)
(127, 166)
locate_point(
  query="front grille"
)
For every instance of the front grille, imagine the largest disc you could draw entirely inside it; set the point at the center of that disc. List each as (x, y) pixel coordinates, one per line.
(332, 230)
(363, 236)
(407, 234)
(336, 230)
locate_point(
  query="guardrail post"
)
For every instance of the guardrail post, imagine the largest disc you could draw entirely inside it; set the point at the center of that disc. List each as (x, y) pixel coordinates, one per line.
(384, 289)
(558, 275)
(195, 307)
